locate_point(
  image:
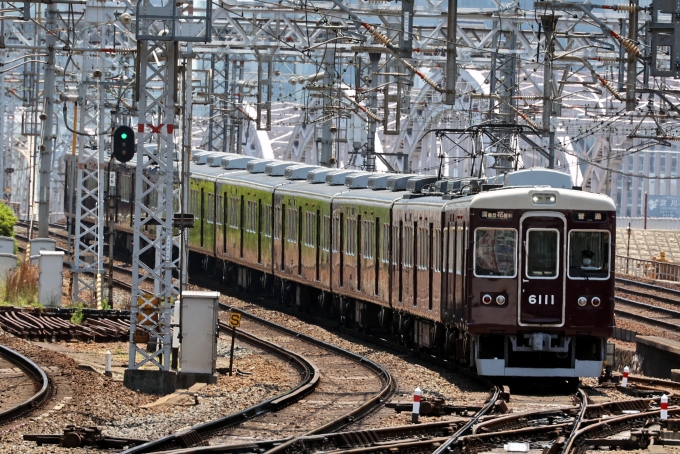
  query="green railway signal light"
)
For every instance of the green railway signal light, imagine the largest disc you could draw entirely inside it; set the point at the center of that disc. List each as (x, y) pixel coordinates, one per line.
(123, 143)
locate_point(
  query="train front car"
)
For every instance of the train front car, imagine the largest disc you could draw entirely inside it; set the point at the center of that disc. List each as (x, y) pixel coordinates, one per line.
(541, 290)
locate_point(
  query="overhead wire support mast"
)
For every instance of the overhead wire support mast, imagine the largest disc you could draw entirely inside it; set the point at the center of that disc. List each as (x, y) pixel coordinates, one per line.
(48, 126)
(159, 31)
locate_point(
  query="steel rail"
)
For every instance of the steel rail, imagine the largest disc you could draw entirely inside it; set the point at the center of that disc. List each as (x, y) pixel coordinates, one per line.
(649, 307)
(609, 423)
(647, 320)
(658, 288)
(495, 393)
(310, 379)
(356, 414)
(33, 370)
(577, 422)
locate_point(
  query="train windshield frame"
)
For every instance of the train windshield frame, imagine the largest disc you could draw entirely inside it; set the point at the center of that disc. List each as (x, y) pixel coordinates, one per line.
(542, 254)
(495, 253)
(589, 254)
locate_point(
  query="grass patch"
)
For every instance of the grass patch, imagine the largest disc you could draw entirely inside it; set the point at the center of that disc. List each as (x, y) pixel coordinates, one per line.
(20, 288)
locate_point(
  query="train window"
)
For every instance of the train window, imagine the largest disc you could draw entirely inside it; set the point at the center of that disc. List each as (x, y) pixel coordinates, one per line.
(408, 246)
(542, 254)
(267, 220)
(395, 245)
(589, 254)
(460, 251)
(309, 228)
(437, 251)
(385, 244)
(211, 209)
(335, 234)
(234, 203)
(251, 216)
(292, 225)
(220, 212)
(423, 249)
(277, 223)
(325, 233)
(495, 252)
(367, 237)
(351, 236)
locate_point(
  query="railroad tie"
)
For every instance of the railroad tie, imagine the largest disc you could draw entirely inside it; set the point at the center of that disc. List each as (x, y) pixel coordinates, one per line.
(356, 439)
(190, 438)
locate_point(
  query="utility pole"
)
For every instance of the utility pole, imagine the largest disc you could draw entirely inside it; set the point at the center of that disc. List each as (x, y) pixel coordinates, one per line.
(451, 70)
(631, 70)
(325, 159)
(549, 23)
(369, 164)
(46, 145)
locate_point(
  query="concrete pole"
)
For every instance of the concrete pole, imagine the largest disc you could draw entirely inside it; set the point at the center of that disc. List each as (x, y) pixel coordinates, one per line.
(549, 23)
(325, 159)
(2, 130)
(631, 73)
(369, 164)
(46, 146)
(451, 70)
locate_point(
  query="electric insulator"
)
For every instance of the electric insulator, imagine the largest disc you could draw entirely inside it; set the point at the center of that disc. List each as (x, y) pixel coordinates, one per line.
(629, 7)
(610, 89)
(630, 46)
(377, 35)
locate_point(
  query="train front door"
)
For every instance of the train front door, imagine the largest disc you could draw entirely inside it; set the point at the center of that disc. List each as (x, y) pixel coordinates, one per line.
(542, 275)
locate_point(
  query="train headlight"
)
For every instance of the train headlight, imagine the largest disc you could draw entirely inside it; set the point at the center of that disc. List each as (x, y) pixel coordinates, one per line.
(543, 199)
(486, 299)
(595, 301)
(582, 301)
(500, 300)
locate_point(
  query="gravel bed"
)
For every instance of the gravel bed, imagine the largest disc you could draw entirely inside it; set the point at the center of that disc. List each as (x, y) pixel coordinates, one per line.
(407, 372)
(90, 399)
(649, 299)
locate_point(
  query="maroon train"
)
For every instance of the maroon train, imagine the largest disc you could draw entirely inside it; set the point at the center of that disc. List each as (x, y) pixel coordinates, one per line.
(513, 278)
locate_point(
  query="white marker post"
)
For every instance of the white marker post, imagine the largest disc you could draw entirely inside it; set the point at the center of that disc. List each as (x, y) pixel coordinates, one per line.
(664, 407)
(416, 406)
(107, 367)
(624, 381)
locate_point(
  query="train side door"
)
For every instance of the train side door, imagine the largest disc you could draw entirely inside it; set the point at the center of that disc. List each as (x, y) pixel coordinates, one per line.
(542, 274)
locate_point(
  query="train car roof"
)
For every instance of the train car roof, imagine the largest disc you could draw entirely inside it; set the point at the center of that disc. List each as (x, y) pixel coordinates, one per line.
(204, 172)
(311, 190)
(523, 198)
(432, 201)
(245, 178)
(355, 196)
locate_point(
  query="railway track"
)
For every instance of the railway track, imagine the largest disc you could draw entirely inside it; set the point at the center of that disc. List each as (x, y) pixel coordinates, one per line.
(27, 400)
(653, 305)
(340, 388)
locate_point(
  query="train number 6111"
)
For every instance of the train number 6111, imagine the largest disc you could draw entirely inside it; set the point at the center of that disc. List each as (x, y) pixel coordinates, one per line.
(541, 299)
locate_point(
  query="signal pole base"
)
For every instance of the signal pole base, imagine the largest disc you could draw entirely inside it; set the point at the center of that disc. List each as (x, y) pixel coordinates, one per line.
(159, 382)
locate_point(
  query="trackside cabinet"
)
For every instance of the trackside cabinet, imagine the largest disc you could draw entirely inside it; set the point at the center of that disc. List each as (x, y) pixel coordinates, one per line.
(198, 353)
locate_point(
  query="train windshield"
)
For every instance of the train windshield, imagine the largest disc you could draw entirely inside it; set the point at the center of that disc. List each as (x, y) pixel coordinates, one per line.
(495, 252)
(589, 254)
(542, 253)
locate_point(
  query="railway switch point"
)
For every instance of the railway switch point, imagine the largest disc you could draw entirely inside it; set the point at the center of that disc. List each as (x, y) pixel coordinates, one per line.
(416, 406)
(624, 381)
